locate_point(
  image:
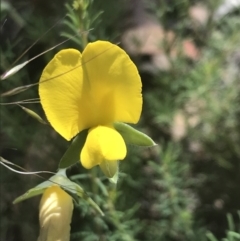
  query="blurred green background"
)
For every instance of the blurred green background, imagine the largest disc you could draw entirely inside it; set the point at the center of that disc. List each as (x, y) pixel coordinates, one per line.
(188, 55)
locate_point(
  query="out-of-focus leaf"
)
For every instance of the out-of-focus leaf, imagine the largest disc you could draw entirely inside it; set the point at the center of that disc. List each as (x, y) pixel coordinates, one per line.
(211, 237)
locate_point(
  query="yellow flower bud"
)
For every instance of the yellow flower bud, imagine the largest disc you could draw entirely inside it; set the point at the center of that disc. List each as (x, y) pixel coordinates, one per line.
(55, 214)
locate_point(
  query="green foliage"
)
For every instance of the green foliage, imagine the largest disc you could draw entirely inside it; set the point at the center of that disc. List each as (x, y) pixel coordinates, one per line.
(231, 235)
(80, 19)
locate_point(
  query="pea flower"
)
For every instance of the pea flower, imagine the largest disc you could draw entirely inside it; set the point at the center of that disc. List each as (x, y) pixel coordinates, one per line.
(92, 90)
(55, 215)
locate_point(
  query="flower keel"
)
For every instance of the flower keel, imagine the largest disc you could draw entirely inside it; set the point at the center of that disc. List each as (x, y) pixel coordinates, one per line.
(103, 143)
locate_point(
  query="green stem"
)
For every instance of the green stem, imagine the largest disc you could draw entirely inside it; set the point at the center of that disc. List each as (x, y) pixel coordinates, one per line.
(62, 171)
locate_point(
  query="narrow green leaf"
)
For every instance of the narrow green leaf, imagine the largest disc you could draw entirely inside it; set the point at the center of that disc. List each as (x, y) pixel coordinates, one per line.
(33, 192)
(39, 189)
(234, 235)
(72, 155)
(132, 136)
(33, 114)
(102, 187)
(81, 192)
(211, 237)
(230, 222)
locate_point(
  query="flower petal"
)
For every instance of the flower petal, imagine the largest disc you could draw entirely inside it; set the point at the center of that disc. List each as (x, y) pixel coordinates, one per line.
(114, 83)
(55, 215)
(103, 143)
(61, 92)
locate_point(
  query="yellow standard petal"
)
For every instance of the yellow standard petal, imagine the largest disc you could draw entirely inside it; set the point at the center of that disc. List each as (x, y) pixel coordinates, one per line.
(103, 143)
(60, 91)
(55, 215)
(114, 84)
(98, 88)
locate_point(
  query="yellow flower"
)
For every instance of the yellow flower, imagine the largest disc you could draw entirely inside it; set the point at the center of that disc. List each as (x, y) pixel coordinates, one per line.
(91, 91)
(55, 215)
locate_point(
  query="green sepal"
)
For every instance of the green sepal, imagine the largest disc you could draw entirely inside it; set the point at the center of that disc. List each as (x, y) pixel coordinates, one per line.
(39, 189)
(72, 188)
(110, 169)
(133, 136)
(114, 179)
(72, 155)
